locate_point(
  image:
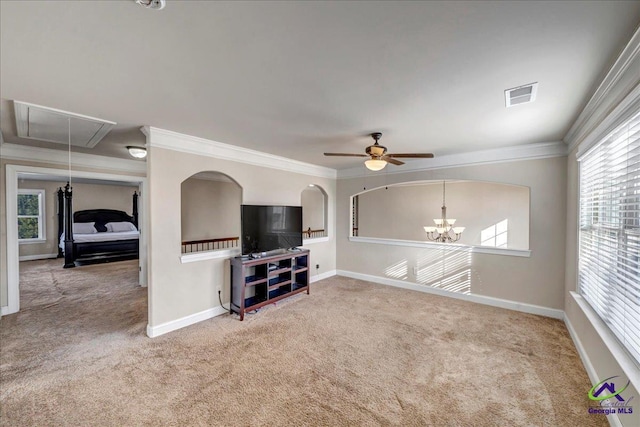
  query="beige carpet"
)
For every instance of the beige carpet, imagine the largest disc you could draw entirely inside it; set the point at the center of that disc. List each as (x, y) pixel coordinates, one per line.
(351, 353)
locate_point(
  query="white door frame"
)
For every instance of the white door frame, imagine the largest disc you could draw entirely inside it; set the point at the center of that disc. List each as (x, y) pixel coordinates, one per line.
(11, 195)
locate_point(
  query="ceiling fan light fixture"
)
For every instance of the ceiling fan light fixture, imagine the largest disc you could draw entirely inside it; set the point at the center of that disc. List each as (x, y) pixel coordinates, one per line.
(375, 164)
(137, 152)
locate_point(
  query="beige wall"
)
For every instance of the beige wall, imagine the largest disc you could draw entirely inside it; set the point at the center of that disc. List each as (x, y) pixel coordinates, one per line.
(177, 290)
(401, 211)
(210, 209)
(312, 209)
(537, 280)
(85, 196)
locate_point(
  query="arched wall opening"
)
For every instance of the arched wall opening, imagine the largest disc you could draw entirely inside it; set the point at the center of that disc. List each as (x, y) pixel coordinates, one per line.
(210, 212)
(314, 201)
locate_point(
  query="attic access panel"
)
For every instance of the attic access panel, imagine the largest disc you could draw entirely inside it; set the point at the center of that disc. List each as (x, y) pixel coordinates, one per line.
(51, 125)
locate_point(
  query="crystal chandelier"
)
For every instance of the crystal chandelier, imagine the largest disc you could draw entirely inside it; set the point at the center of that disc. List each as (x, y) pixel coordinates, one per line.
(444, 231)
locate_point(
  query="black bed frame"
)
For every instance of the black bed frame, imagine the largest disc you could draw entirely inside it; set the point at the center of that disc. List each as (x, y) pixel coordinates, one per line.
(83, 253)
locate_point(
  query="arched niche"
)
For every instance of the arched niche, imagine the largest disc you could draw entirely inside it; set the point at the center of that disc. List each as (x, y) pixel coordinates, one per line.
(210, 212)
(493, 214)
(314, 201)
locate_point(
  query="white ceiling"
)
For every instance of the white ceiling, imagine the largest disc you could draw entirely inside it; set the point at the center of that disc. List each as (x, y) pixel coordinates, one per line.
(297, 79)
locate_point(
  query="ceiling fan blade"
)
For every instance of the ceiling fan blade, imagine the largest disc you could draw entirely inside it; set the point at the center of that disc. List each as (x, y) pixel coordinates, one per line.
(346, 154)
(392, 160)
(413, 155)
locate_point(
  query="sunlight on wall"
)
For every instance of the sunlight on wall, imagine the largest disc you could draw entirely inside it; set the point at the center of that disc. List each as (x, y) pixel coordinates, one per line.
(445, 269)
(495, 235)
(399, 270)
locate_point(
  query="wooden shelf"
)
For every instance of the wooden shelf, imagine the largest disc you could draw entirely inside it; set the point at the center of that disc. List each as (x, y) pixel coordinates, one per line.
(256, 282)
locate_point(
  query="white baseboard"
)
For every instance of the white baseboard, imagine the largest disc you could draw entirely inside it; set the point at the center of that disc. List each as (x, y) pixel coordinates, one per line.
(156, 331)
(322, 276)
(588, 366)
(6, 310)
(481, 299)
(613, 419)
(36, 257)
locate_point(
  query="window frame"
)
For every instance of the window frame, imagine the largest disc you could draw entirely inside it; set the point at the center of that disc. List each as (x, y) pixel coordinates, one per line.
(42, 237)
(607, 220)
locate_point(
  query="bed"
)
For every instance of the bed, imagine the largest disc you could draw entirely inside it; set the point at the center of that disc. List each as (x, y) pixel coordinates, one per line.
(95, 235)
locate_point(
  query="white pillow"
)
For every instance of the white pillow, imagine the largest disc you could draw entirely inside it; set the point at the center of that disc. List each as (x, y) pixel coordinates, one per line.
(116, 227)
(84, 228)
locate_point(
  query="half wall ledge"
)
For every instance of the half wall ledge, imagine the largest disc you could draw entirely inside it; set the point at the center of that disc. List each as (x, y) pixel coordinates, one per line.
(525, 253)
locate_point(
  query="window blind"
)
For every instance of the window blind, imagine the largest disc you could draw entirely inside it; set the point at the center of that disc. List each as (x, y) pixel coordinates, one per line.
(609, 237)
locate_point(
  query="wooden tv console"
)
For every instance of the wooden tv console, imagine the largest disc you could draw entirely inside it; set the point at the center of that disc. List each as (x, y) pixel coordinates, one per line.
(256, 282)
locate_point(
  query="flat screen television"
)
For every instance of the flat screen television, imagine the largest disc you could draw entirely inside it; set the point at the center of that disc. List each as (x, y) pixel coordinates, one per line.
(266, 228)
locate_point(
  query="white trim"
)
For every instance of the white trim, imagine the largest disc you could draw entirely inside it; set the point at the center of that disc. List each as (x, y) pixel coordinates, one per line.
(13, 247)
(37, 257)
(448, 246)
(497, 155)
(588, 366)
(622, 112)
(202, 256)
(618, 352)
(323, 276)
(315, 240)
(31, 241)
(480, 299)
(583, 125)
(5, 310)
(13, 261)
(204, 147)
(59, 157)
(156, 331)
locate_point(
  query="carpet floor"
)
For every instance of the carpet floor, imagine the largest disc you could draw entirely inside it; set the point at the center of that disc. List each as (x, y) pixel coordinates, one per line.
(352, 353)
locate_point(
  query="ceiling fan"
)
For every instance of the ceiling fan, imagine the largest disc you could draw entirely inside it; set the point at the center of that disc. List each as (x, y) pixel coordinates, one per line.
(379, 157)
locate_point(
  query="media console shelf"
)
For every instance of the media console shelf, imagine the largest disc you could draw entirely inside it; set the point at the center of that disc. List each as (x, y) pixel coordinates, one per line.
(256, 282)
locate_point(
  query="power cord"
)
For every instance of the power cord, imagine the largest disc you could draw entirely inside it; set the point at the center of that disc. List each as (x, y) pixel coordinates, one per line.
(221, 305)
(220, 299)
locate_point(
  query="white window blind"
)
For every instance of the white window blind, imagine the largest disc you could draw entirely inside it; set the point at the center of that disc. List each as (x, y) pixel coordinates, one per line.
(609, 241)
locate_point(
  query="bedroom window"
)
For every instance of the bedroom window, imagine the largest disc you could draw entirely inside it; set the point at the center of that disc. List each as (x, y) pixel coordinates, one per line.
(609, 239)
(30, 216)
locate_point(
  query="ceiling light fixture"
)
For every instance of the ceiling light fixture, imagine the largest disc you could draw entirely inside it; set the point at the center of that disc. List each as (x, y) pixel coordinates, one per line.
(444, 231)
(137, 152)
(375, 164)
(152, 4)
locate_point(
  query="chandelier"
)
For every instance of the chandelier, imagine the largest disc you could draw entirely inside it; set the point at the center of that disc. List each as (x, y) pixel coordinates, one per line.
(444, 231)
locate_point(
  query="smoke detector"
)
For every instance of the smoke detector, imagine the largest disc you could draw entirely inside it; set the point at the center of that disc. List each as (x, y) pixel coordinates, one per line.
(521, 94)
(152, 4)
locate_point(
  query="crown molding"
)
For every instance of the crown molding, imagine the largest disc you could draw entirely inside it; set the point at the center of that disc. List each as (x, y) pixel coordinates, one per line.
(204, 147)
(58, 157)
(596, 109)
(498, 155)
(627, 108)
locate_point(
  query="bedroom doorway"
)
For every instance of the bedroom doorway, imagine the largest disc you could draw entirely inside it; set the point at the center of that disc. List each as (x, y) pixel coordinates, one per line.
(37, 228)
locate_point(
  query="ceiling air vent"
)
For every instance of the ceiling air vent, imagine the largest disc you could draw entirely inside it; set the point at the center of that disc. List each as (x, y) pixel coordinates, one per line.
(520, 95)
(51, 125)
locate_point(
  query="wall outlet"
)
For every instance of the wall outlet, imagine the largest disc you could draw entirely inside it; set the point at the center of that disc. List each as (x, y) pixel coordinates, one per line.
(218, 288)
(317, 266)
